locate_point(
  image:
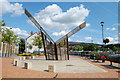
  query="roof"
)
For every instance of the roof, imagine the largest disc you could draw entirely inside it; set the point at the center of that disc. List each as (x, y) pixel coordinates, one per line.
(31, 35)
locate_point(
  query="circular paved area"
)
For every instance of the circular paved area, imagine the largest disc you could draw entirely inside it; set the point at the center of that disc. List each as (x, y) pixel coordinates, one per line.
(74, 65)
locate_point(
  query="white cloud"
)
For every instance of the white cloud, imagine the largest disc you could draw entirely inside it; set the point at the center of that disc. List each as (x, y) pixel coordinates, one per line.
(52, 17)
(88, 38)
(18, 31)
(107, 28)
(87, 24)
(69, 39)
(15, 9)
(117, 24)
(62, 33)
(112, 40)
(111, 29)
(79, 41)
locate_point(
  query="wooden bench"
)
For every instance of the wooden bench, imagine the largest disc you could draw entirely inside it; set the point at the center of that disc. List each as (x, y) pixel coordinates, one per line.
(98, 58)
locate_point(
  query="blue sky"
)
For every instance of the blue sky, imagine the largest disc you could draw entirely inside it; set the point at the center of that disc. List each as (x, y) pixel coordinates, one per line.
(91, 12)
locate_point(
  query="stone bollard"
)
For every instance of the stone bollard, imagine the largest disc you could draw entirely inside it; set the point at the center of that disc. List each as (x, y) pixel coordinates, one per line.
(23, 58)
(27, 57)
(17, 62)
(28, 65)
(32, 57)
(51, 68)
(20, 58)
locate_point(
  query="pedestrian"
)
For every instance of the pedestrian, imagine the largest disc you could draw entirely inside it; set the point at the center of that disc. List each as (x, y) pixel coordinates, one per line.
(103, 58)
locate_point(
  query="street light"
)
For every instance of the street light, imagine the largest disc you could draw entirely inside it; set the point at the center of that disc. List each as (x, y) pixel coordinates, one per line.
(102, 32)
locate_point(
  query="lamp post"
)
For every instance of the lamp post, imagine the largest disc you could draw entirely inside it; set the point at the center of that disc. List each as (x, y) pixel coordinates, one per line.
(102, 33)
(102, 30)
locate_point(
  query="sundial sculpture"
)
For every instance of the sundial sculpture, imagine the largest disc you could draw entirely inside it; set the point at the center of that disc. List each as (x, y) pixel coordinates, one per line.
(58, 50)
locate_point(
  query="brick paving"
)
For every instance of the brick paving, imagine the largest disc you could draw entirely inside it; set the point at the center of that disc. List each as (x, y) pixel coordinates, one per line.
(10, 71)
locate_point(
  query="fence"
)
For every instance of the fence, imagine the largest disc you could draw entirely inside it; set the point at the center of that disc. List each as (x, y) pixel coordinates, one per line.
(7, 50)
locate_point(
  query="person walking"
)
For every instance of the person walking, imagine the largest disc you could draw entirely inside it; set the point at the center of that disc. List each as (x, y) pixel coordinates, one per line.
(103, 58)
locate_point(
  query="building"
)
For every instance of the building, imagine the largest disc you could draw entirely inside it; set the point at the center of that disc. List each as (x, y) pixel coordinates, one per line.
(29, 47)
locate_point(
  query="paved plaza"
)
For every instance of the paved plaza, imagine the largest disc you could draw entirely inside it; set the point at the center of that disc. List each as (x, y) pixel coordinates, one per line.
(74, 65)
(102, 70)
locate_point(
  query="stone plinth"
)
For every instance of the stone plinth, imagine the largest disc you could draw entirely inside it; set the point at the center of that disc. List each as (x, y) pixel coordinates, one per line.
(51, 68)
(16, 62)
(32, 57)
(28, 65)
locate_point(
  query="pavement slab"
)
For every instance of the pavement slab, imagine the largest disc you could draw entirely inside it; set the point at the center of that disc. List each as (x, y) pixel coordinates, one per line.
(10, 71)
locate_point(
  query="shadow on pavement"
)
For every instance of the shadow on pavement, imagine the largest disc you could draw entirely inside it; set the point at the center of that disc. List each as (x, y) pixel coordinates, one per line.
(46, 70)
(118, 71)
(110, 67)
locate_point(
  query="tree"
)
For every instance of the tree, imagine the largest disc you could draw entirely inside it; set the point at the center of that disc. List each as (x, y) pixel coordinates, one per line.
(2, 23)
(38, 42)
(89, 47)
(78, 48)
(29, 46)
(8, 36)
(106, 40)
(115, 48)
(21, 45)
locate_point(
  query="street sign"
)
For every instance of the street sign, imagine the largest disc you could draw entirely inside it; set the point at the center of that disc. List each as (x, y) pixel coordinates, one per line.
(17, 45)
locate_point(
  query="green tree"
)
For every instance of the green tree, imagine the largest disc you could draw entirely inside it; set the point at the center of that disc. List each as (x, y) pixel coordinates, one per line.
(89, 47)
(78, 48)
(98, 48)
(21, 45)
(106, 40)
(115, 48)
(8, 36)
(2, 23)
(85, 47)
(38, 42)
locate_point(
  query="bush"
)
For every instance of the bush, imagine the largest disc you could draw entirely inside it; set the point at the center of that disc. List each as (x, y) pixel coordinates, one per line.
(95, 53)
(107, 55)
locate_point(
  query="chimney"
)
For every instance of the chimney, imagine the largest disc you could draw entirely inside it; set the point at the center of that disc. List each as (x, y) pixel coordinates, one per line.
(31, 33)
(38, 33)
